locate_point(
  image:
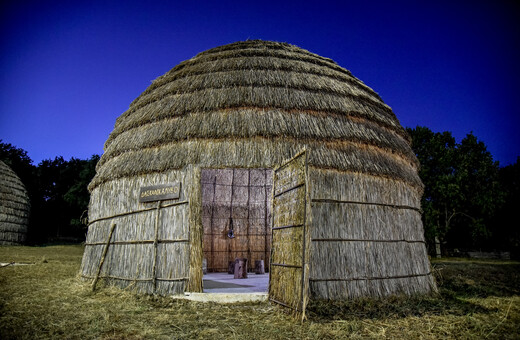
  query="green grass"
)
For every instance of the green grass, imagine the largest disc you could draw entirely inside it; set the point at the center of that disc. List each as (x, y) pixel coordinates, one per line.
(46, 300)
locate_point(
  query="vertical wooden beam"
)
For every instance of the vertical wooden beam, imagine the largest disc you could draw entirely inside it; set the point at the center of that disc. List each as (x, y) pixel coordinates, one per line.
(211, 261)
(248, 215)
(155, 243)
(196, 231)
(306, 239)
(271, 224)
(266, 224)
(231, 241)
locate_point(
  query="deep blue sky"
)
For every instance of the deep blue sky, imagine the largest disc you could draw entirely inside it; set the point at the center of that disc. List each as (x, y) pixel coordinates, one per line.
(70, 68)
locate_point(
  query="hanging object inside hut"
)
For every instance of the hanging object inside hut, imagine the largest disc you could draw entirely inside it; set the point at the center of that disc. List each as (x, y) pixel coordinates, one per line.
(231, 232)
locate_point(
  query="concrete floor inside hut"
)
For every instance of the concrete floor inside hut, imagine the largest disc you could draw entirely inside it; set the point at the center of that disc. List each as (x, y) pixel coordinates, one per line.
(226, 283)
(224, 288)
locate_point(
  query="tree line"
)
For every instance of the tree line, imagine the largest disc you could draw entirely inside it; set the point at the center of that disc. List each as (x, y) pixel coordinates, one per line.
(469, 201)
(57, 191)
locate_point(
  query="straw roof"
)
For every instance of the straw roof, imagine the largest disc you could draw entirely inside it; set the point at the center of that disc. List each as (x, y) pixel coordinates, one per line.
(253, 104)
(14, 207)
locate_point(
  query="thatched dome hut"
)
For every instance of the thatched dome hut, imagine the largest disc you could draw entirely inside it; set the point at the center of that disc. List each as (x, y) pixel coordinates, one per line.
(214, 127)
(14, 208)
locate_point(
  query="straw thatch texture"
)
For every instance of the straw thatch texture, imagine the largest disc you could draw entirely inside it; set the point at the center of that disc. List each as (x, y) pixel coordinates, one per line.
(369, 240)
(254, 104)
(132, 256)
(243, 108)
(288, 283)
(14, 208)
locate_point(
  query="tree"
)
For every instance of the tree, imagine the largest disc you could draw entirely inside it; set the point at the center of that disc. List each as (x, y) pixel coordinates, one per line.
(507, 229)
(64, 195)
(77, 196)
(436, 154)
(481, 196)
(462, 192)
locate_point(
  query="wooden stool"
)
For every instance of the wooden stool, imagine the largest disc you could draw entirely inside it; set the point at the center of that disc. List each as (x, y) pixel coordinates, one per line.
(259, 267)
(241, 268)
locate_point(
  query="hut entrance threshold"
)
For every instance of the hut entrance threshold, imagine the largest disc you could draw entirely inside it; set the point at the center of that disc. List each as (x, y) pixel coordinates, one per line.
(236, 220)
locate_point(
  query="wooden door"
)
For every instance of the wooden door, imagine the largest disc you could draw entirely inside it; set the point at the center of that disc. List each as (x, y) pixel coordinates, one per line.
(288, 281)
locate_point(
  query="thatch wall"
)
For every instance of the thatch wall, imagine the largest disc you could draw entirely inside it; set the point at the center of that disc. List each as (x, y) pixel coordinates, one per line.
(14, 208)
(252, 105)
(369, 240)
(149, 253)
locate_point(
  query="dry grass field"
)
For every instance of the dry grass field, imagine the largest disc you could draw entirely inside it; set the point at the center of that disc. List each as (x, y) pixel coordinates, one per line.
(44, 299)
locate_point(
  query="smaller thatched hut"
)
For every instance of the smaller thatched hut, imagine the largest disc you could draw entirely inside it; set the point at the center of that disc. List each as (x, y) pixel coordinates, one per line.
(14, 207)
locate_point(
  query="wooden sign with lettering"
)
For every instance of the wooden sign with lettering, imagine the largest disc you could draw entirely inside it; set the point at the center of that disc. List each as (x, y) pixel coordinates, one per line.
(160, 192)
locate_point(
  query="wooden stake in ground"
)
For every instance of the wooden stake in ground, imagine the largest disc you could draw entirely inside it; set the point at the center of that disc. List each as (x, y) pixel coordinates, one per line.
(103, 257)
(155, 243)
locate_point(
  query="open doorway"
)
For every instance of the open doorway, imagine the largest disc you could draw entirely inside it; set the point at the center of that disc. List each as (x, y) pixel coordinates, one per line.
(236, 219)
